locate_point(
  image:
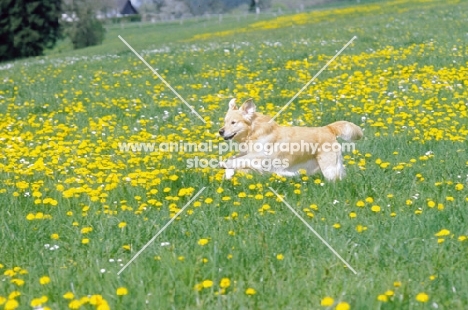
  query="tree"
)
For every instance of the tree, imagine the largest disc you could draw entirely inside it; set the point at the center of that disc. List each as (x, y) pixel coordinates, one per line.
(175, 9)
(200, 7)
(256, 5)
(28, 27)
(83, 28)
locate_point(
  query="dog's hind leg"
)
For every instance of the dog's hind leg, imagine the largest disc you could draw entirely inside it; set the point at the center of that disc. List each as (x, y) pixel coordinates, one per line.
(247, 162)
(331, 165)
(229, 173)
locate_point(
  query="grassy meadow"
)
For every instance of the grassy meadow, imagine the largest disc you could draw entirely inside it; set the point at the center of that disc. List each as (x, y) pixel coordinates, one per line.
(75, 208)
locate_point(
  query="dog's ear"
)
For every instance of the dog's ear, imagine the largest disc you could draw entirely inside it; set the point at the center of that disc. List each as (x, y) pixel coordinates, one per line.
(248, 109)
(232, 104)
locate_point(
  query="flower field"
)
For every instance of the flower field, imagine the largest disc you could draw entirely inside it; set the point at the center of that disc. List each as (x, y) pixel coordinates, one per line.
(75, 207)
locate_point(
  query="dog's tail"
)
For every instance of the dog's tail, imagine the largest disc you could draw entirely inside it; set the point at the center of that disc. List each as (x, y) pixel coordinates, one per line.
(346, 130)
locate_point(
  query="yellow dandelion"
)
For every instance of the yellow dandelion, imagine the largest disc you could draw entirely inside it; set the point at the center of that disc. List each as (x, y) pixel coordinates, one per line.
(442, 233)
(86, 230)
(68, 295)
(121, 291)
(250, 291)
(384, 165)
(327, 301)
(342, 306)
(422, 297)
(96, 300)
(36, 302)
(44, 280)
(103, 306)
(14, 294)
(17, 282)
(203, 241)
(11, 304)
(207, 283)
(225, 283)
(360, 228)
(382, 298)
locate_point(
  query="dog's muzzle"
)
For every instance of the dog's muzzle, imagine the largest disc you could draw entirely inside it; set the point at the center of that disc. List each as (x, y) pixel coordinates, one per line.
(221, 133)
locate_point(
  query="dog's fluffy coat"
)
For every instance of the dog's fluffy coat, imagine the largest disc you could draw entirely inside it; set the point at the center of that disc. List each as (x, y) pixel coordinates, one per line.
(245, 125)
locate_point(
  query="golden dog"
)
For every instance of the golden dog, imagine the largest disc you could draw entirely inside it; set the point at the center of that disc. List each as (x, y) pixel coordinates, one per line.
(268, 147)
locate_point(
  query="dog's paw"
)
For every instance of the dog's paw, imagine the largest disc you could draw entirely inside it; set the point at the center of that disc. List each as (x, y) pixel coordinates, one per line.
(228, 174)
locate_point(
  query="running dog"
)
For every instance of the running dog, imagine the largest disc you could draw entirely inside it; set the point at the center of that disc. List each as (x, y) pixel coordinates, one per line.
(266, 146)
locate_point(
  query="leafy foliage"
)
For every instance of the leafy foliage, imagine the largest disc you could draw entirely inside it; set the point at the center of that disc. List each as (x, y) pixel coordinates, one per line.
(84, 29)
(27, 27)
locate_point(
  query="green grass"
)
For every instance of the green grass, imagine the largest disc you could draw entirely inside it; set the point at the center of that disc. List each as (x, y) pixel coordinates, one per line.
(403, 80)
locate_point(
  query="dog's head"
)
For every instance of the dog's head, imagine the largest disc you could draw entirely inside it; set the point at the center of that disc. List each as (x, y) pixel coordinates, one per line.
(238, 121)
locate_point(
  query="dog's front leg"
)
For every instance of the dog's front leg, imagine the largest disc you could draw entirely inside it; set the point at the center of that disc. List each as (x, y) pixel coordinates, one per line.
(253, 161)
(229, 173)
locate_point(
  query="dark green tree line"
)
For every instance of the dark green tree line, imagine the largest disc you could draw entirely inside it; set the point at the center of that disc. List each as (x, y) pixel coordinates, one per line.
(27, 27)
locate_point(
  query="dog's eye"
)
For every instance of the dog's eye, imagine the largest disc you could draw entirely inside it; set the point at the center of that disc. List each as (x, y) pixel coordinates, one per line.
(233, 122)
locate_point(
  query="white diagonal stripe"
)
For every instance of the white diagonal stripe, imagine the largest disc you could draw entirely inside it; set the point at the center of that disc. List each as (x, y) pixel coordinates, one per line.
(162, 79)
(316, 233)
(161, 230)
(313, 78)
